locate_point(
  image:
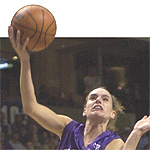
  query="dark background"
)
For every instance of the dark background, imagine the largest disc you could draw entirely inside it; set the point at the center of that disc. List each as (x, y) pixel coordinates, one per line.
(117, 60)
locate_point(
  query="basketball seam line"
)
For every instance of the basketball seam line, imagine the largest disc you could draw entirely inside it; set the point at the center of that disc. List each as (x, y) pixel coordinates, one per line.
(34, 22)
(40, 31)
(32, 29)
(47, 30)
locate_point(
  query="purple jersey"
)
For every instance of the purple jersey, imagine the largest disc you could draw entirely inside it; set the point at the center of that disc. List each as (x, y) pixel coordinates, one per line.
(73, 138)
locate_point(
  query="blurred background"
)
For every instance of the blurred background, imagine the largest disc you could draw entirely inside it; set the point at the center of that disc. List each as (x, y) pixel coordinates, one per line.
(64, 73)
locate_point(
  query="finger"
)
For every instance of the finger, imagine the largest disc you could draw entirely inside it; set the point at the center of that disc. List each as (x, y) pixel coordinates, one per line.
(18, 39)
(12, 37)
(145, 117)
(9, 30)
(25, 43)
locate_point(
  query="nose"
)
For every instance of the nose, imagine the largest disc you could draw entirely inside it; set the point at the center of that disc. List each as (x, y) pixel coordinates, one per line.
(98, 100)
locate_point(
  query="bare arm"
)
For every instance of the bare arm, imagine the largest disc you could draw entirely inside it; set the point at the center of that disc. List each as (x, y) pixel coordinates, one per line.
(43, 115)
(141, 127)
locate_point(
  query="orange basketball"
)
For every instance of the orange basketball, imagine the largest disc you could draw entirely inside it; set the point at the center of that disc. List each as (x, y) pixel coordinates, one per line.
(37, 23)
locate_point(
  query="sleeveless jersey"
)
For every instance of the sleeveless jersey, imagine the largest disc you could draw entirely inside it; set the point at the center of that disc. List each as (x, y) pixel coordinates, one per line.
(73, 138)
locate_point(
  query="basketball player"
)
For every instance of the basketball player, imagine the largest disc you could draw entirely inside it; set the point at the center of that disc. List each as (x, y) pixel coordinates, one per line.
(99, 111)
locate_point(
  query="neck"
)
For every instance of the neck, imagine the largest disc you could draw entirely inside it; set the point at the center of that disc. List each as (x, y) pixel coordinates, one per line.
(92, 130)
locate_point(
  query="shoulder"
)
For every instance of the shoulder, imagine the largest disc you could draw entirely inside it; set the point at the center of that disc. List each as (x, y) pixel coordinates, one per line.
(70, 127)
(116, 144)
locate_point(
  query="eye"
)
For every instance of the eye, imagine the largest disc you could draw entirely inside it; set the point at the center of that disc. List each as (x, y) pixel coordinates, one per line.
(105, 99)
(93, 97)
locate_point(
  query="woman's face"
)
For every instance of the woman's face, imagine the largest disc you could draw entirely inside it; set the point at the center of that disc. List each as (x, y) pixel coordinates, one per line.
(99, 105)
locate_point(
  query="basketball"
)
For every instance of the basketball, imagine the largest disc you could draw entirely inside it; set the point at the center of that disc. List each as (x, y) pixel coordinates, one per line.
(37, 23)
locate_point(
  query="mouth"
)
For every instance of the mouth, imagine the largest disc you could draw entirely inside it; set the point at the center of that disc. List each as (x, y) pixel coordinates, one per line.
(97, 107)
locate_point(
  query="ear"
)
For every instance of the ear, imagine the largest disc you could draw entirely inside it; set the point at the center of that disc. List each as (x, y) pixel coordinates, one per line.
(113, 114)
(84, 112)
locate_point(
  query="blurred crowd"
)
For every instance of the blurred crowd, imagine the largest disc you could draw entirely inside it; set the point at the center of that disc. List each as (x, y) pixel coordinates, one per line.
(25, 133)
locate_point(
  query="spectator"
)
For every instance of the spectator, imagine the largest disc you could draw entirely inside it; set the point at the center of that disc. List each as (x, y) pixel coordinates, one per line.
(29, 145)
(45, 140)
(4, 144)
(5, 126)
(34, 139)
(92, 80)
(18, 123)
(125, 133)
(14, 141)
(24, 134)
(34, 129)
(37, 146)
(53, 141)
(144, 142)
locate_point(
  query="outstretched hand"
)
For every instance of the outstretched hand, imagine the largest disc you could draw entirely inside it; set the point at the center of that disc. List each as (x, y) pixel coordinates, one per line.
(143, 125)
(20, 49)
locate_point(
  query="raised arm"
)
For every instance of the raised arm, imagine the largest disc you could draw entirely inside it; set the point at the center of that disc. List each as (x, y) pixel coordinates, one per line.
(43, 115)
(141, 127)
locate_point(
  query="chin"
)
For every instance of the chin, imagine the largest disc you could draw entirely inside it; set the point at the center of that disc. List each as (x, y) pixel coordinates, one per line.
(97, 116)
